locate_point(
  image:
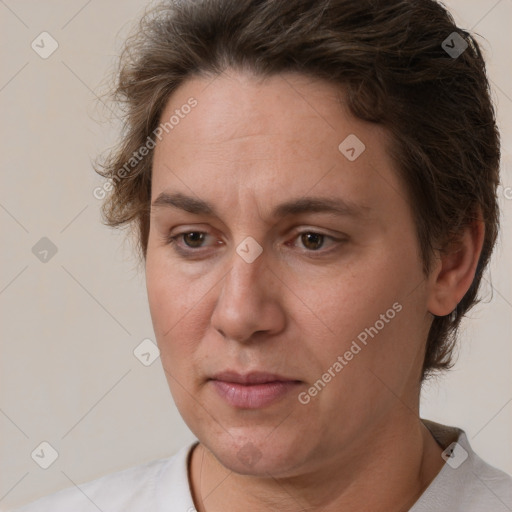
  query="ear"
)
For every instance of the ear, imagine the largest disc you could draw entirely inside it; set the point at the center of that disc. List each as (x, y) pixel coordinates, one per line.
(455, 269)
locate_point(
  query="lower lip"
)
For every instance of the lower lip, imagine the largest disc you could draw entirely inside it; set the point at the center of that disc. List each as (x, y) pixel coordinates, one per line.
(254, 396)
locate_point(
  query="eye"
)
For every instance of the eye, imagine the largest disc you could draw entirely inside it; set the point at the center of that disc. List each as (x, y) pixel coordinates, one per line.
(188, 243)
(192, 239)
(312, 240)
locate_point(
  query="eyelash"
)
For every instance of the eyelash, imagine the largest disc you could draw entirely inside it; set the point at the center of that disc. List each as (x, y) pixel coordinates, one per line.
(173, 240)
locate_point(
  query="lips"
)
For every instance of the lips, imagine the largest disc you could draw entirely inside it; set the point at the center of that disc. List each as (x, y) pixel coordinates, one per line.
(252, 390)
(250, 378)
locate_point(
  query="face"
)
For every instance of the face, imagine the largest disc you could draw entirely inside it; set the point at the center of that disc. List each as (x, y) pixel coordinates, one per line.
(283, 273)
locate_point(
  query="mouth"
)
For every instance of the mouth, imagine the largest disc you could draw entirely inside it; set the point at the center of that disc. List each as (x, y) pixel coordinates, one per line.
(253, 390)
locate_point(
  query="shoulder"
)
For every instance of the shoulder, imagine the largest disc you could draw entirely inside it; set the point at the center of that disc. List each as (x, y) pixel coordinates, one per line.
(466, 483)
(489, 485)
(144, 487)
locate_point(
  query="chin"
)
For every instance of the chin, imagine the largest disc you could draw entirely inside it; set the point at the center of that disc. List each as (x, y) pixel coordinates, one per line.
(252, 453)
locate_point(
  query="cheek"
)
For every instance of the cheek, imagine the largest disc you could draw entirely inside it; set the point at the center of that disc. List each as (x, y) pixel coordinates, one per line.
(179, 312)
(375, 303)
(170, 293)
(353, 298)
(167, 305)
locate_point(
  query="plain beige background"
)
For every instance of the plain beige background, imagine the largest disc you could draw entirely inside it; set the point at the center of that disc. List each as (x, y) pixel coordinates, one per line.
(69, 325)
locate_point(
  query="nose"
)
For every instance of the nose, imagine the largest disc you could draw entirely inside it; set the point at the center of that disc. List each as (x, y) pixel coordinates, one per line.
(249, 301)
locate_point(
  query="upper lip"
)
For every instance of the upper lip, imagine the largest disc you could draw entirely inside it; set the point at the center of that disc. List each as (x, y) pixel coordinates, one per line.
(250, 378)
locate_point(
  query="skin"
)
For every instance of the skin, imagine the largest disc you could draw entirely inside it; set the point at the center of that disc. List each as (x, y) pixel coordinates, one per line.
(249, 145)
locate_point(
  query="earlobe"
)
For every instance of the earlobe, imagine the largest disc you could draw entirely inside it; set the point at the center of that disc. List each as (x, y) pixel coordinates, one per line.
(455, 270)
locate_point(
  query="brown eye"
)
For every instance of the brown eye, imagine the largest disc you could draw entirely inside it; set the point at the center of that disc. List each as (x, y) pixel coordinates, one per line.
(312, 241)
(193, 238)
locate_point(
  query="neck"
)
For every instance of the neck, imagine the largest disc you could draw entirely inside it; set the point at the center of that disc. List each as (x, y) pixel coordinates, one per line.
(386, 469)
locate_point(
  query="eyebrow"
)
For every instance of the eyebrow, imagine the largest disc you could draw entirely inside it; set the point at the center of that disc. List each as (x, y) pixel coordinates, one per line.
(307, 204)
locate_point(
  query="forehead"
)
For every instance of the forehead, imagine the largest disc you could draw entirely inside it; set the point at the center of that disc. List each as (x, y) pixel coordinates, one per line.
(237, 105)
(277, 137)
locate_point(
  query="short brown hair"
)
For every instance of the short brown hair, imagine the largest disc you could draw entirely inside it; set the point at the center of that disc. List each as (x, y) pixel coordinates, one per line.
(391, 58)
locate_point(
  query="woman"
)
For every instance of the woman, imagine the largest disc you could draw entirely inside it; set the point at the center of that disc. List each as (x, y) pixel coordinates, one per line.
(314, 187)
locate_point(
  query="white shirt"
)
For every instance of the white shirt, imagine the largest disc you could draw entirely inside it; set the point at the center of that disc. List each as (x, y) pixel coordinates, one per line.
(464, 484)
